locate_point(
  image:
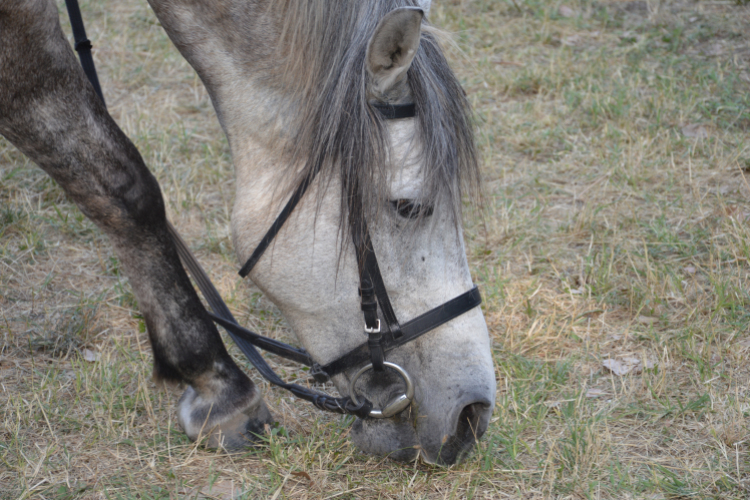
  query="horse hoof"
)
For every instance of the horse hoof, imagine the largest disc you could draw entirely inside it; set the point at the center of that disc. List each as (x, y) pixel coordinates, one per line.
(229, 427)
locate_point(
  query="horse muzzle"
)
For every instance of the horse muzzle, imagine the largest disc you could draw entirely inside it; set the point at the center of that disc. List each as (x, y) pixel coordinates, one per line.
(443, 422)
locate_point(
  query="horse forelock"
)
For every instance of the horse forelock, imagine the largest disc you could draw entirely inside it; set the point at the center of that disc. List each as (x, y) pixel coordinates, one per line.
(322, 53)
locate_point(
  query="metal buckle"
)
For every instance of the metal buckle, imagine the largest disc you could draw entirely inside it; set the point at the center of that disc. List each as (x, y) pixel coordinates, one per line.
(396, 405)
(373, 330)
(318, 375)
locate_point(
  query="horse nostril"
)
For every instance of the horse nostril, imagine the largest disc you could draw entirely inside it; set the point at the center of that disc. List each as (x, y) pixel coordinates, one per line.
(469, 422)
(472, 422)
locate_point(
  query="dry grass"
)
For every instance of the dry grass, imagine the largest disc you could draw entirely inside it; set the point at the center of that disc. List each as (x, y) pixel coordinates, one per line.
(615, 138)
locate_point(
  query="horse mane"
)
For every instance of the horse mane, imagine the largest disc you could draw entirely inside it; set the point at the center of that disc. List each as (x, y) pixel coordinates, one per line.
(322, 52)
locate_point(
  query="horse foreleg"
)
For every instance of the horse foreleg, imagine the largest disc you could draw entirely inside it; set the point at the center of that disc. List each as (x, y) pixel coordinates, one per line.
(51, 113)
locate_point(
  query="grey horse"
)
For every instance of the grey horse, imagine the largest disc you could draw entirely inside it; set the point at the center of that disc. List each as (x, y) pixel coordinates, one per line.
(291, 82)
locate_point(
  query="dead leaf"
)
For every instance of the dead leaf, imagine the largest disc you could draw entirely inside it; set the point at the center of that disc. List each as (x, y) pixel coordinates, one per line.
(91, 356)
(623, 366)
(618, 367)
(695, 130)
(739, 216)
(646, 320)
(566, 11)
(508, 63)
(571, 41)
(715, 49)
(743, 344)
(557, 404)
(222, 490)
(595, 393)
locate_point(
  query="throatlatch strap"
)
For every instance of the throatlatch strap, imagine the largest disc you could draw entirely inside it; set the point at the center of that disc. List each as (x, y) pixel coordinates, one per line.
(83, 46)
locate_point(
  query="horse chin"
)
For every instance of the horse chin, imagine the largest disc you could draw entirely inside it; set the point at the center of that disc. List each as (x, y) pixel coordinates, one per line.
(395, 438)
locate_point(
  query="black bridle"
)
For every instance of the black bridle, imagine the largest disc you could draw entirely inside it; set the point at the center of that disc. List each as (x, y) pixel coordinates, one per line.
(371, 289)
(374, 296)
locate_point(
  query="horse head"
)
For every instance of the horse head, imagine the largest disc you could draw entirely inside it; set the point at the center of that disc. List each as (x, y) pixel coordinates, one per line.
(297, 87)
(411, 198)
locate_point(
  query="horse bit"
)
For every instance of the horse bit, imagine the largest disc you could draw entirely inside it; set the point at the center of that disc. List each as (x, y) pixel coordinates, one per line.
(372, 291)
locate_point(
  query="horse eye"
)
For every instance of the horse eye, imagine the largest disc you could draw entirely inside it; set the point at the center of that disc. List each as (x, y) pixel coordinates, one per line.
(408, 209)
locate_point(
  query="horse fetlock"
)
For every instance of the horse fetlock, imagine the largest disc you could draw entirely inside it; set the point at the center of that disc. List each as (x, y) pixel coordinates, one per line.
(218, 422)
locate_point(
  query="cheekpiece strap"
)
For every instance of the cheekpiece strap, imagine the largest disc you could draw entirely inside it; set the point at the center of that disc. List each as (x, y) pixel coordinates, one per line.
(389, 112)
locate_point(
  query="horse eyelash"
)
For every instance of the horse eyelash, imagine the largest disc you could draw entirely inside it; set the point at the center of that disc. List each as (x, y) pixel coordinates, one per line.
(408, 209)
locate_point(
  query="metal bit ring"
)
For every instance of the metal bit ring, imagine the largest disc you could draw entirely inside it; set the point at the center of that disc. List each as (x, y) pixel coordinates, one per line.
(399, 404)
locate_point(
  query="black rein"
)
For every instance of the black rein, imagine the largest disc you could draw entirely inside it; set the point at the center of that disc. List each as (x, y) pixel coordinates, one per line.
(372, 288)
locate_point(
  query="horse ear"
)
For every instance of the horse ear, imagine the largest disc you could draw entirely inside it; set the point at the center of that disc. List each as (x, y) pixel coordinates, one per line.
(393, 46)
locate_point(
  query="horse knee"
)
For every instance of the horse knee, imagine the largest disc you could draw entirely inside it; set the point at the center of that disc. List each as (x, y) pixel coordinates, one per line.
(121, 195)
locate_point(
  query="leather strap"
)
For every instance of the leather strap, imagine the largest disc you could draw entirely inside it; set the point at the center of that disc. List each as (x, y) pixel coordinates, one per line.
(412, 329)
(267, 344)
(369, 270)
(277, 224)
(83, 46)
(371, 281)
(396, 111)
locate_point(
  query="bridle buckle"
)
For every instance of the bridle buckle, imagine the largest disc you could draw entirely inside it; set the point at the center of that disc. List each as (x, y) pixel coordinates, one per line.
(318, 374)
(376, 329)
